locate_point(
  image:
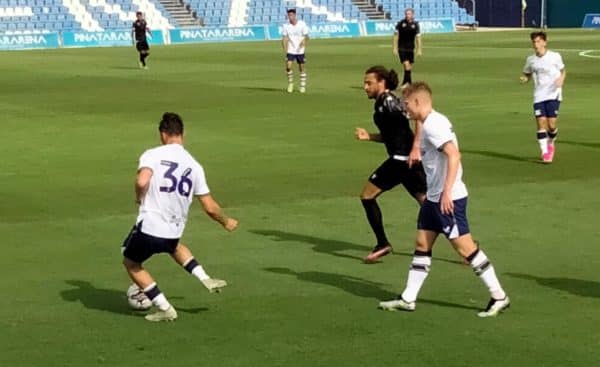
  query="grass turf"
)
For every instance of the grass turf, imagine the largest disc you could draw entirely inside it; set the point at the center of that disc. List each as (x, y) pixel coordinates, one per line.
(287, 166)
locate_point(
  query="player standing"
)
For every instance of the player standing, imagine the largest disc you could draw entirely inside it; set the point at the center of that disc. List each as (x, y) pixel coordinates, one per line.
(402, 165)
(168, 179)
(407, 40)
(138, 32)
(445, 209)
(295, 37)
(548, 72)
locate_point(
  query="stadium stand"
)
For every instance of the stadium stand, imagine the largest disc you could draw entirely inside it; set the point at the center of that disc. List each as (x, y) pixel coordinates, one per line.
(39, 16)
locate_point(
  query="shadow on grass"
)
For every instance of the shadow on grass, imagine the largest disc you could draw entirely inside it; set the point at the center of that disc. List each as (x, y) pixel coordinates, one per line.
(579, 143)
(578, 287)
(355, 286)
(320, 245)
(109, 300)
(265, 89)
(497, 155)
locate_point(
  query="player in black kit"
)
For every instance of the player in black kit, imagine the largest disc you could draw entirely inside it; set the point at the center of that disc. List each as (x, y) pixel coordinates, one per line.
(138, 31)
(403, 164)
(407, 41)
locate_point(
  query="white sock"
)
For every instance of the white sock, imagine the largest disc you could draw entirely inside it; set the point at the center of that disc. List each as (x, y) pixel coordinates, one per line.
(419, 269)
(195, 269)
(303, 79)
(484, 269)
(290, 76)
(542, 137)
(157, 297)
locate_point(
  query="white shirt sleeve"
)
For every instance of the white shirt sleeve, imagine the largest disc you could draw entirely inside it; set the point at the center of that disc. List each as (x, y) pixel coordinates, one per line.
(146, 160)
(527, 68)
(559, 62)
(440, 135)
(200, 186)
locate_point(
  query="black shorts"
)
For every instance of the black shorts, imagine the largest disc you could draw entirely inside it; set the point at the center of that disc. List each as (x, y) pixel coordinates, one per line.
(142, 46)
(393, 172)
(407, 55)
(139, 247)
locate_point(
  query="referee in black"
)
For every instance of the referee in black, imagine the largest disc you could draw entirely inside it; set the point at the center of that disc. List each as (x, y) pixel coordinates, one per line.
(403, 164)
(139, 30)
(407, 41)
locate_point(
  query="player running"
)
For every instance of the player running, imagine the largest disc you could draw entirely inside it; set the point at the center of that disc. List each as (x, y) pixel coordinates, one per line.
(402, 165)
(295, 37)
(138, 32)
(168, 179)
(548, 72)
(445, 209)
(407, 40)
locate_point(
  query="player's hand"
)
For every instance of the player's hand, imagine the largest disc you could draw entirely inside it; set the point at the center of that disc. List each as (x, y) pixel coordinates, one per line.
(523, 79)
(414, 157)
(361, 134)
(559, 82)
(231, 224)
(446, 204)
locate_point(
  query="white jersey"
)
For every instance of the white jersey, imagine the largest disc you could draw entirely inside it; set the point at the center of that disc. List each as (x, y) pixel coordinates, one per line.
(176, 178)
(295, 34)
(545, 70)
(437, 131)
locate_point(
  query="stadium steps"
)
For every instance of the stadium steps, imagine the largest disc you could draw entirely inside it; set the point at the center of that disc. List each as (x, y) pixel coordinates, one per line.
(181, 13)
(371, 10)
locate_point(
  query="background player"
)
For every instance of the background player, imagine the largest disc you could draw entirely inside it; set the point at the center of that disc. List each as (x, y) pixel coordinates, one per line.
(402, 146)
(138, 31)
(295, 37)
(548, 72)
(406, 37)
(167, 181)
(445, 209)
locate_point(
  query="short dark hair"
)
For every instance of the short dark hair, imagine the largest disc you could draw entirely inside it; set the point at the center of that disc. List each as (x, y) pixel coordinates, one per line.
(171, 124)
(416, 87)
(381, 73)
(291, 10)
(138, 13)
(537, 34)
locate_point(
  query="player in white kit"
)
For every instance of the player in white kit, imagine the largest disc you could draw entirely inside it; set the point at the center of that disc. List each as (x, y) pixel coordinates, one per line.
(445, 208)
(295, 37)
(547, 70)
(168, 180)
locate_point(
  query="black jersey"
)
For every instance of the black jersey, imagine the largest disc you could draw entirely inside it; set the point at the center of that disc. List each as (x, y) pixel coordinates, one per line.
(139, 27)
(407, 33)
(394, 127)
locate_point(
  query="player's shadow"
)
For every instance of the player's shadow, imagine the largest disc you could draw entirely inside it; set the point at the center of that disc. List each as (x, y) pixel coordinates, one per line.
(498, 155)
(265, 89)
(320, 245)
(108, 300)
(125, 68)
(578, 287)
(580, 143)
(355, 286)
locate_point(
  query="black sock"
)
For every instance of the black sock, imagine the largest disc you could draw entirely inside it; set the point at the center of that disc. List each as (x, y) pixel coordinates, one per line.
(552, 134)
(375, 220)
(143, 59)
(407, 77)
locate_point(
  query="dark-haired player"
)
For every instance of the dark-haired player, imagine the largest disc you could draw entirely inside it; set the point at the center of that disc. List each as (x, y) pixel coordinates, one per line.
(407, 41)
(547, 70)
(402, 165)
(295, 37)
(168, 179)
(138, 32)
(445, 209)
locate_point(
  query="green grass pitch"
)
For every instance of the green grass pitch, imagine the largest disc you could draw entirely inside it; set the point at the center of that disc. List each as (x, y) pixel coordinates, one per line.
(287, 166)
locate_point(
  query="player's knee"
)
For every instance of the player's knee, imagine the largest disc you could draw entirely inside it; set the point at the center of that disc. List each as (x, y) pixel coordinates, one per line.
(367, 196)
(131, 265)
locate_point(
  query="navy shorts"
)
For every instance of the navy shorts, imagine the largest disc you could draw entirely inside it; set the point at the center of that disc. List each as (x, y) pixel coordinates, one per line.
(139, 246)
(546, 108)
(298, 58)
(452, 226)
